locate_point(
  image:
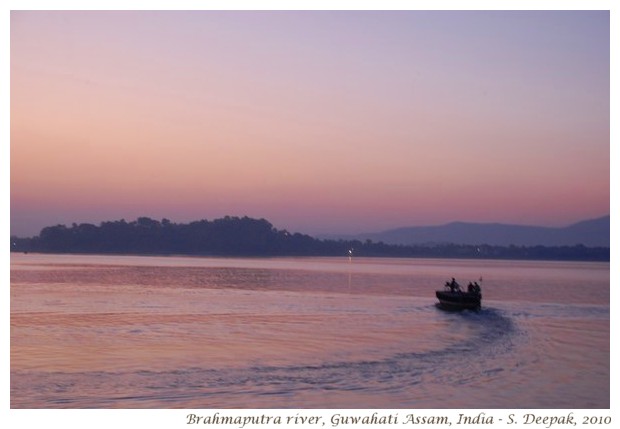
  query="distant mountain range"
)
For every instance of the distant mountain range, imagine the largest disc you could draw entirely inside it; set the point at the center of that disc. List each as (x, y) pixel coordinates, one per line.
(234, 236)
(591, 233)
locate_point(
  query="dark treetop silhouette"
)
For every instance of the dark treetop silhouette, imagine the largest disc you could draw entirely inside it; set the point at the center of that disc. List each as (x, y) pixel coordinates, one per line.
(235, 236)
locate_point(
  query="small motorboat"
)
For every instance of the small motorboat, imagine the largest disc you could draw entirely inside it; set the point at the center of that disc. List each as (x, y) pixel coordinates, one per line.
(453, 298)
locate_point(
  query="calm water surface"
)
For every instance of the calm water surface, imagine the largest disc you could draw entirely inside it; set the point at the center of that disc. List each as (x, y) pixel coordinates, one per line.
(174, 332)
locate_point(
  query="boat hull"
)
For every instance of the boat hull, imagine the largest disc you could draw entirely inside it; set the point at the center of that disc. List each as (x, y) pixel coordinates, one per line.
(459, 300)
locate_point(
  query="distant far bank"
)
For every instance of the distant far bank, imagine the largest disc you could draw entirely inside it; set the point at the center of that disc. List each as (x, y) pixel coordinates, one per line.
(235, 236)
(591, 232)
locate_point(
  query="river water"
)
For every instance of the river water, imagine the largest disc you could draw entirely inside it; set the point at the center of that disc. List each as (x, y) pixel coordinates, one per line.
(181, 332)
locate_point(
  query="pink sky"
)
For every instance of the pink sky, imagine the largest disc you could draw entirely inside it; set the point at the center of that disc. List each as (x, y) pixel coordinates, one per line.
(320, 122)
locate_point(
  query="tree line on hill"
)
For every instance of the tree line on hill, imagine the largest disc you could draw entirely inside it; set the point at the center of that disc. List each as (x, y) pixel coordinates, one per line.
(235, 236)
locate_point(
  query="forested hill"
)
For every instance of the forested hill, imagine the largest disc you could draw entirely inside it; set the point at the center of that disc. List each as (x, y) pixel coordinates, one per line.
(234, 236)
(592, 233)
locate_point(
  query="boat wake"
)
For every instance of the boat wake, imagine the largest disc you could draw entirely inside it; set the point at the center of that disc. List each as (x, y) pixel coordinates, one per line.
(467, 360)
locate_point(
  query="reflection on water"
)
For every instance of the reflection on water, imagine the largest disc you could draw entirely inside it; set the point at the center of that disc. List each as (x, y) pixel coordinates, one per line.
(134, 332)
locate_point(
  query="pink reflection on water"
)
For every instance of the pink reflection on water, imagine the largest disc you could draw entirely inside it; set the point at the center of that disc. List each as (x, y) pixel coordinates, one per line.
(356, 328)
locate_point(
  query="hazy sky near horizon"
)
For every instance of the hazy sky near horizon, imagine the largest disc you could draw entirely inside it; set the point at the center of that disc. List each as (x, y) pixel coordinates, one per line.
(319, 121)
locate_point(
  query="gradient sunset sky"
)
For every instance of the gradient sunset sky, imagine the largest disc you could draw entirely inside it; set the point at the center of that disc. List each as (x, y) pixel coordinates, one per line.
(318, 121)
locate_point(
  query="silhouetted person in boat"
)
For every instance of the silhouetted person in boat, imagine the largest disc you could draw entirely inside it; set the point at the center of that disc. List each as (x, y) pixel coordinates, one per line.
(473, 287)
(454, 286)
